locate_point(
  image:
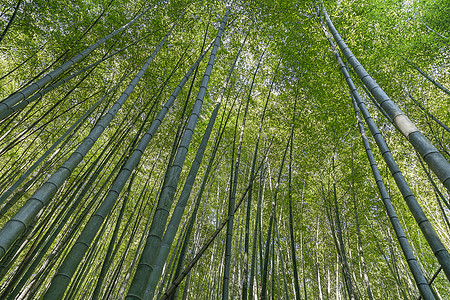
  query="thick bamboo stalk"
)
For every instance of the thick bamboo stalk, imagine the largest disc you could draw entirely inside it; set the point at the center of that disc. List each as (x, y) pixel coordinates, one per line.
(403, 123)
(175, 220)
(141, 277)
(438, 164)
(202, 250)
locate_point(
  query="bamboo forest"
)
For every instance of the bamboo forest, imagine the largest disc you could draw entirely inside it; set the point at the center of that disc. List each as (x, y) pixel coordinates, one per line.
(211, 149)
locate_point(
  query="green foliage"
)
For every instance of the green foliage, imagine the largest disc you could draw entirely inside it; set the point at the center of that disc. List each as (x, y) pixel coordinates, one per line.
(298, 59)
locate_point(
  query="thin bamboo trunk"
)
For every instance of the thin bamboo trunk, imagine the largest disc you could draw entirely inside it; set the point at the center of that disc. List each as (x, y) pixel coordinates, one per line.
(142, 275)
(428, 77)
(16, 9)
(271, 220)
(255, 238)
(358, 234)
(438, 164)
(428, 231)
(298, 295)
(175, 220)
(19, 222)
(28, 91)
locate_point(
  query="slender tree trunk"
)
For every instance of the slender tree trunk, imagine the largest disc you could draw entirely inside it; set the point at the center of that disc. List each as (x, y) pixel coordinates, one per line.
(2, 35)
(302, 244)
(26, 92)
(291, 221)
(428, 231)
(431, 79)
(358, 234)
(342, 253)
(437, 163)
(140, 279)
(255, 237)
(270, 229)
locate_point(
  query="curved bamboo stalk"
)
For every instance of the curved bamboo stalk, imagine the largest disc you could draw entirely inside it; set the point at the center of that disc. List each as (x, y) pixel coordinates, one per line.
(2, 35)
(440, 123)
(434, 31)
(245, 285)
(428, 77)
(145, 194)
(81, 274)
(190, 224)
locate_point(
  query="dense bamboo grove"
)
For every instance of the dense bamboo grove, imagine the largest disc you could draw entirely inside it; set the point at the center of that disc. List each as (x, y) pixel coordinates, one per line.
(224, 150)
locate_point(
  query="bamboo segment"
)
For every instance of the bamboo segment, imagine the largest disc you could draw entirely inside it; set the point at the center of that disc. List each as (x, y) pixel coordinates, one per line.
(141, 277)
(175, 220)
(19, 222)
(26, 92)
(438, 164)
(79, 249)
(442, 170)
